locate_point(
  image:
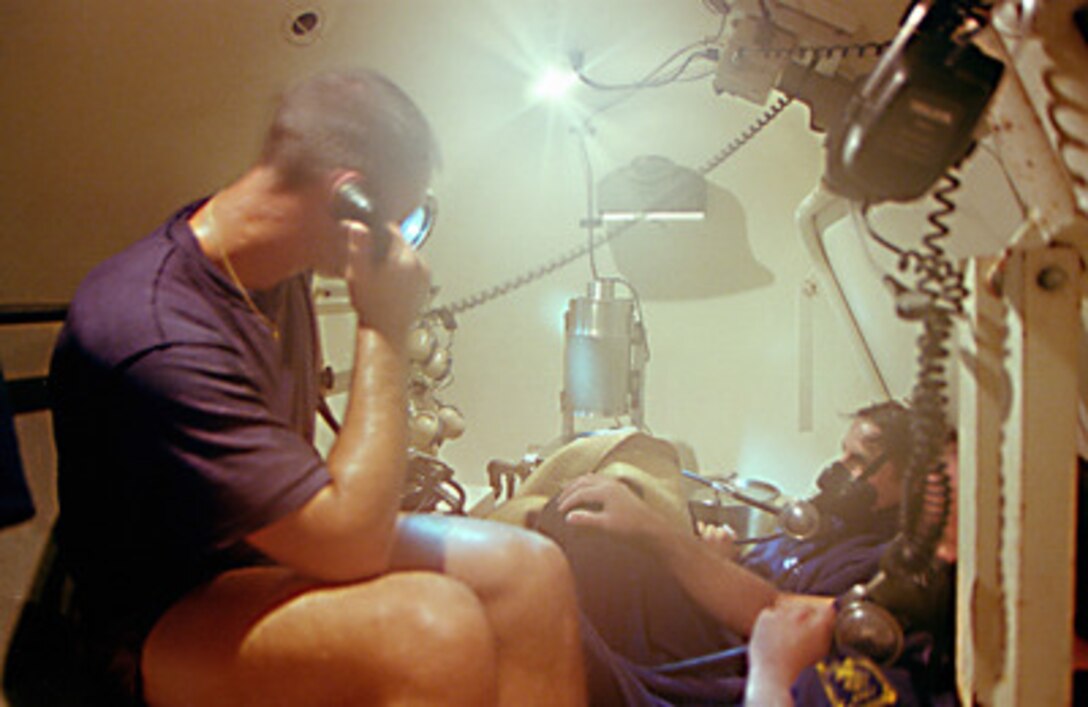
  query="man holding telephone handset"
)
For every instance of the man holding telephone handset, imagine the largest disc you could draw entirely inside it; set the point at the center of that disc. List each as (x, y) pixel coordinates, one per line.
(217, 557)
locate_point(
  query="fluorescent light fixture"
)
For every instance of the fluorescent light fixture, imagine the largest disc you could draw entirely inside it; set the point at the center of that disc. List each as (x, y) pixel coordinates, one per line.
(652, 188)
(615, 216)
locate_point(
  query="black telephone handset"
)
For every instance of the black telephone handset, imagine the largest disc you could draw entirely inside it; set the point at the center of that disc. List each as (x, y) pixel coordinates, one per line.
(351, 203)
(908, 592)
(915, 115)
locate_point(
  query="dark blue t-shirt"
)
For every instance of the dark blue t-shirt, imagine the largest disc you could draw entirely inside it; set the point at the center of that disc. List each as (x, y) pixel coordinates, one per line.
(182, 425)
(638, 617)
(830, 563)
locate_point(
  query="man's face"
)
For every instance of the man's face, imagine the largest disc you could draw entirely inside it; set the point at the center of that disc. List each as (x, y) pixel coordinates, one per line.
(861, 447)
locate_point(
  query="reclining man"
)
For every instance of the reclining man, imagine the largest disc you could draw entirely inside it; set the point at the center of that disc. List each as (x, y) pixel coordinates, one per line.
(657, 594)
(218, 558)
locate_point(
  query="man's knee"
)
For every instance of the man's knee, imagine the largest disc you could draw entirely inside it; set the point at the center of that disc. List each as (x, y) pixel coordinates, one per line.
(432, 612)
(405, 636)
(524, 555)
(438, 643)
(546, 561)
(532, 567)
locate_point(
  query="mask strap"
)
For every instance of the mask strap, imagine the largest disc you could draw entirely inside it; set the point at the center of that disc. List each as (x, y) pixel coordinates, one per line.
(872, 467)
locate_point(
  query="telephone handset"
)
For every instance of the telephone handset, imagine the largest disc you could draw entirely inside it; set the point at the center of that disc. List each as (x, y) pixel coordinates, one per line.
(351, 203)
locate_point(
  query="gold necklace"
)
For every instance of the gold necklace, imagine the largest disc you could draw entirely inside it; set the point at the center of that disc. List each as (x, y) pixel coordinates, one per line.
(210, 232)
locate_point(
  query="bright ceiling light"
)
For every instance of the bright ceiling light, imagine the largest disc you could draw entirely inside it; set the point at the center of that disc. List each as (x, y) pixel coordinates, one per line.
(554, 84)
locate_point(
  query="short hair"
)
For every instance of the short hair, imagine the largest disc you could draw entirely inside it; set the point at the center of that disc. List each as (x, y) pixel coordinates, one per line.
(353, 119)
(893, 419)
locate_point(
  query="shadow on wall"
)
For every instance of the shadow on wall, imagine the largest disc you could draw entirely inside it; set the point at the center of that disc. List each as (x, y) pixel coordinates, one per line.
(692, 260)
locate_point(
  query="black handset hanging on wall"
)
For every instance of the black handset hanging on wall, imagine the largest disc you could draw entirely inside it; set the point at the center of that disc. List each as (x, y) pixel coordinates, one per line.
(916, 113)
(351, 203)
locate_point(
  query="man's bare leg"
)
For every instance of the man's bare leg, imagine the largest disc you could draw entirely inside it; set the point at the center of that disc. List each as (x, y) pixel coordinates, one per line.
(267, 637)
(527, 591)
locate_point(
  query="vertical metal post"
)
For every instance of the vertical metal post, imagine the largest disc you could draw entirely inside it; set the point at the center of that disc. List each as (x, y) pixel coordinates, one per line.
(1017, 480)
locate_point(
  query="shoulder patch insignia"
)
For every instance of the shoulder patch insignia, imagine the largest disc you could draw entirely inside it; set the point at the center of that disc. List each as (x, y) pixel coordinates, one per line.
(855, 681)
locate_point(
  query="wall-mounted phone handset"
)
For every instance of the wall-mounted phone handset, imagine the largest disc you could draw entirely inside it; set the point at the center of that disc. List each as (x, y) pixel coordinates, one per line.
(907, 593)
(351, 203)
(915, 115)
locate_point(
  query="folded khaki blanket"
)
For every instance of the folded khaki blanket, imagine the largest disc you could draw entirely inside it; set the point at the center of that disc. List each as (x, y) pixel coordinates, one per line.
(647, 463)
